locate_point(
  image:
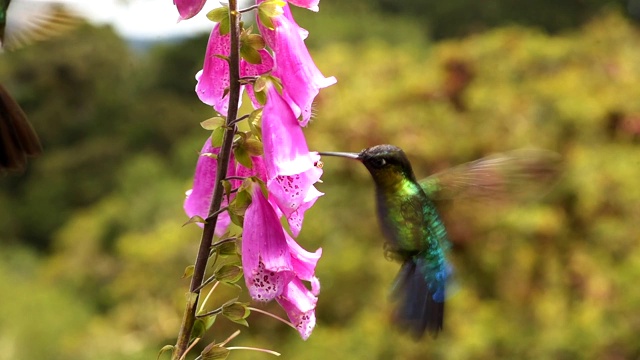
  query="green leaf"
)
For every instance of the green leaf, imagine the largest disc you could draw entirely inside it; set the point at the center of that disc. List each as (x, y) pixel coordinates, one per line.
(227, 249)
(242, 156)
(165, 349)
(188, 271)
(214, 352)
(224, 26)
(199, 329)
(216, 137)
(239, 205)
(195, 219)
(251, 55)
(254, 123)
(265, 20)
(256, 41)
(218, 14)
(272, 8)
(260, 84)
(229, 273)
(213, 123)
(254, 147)
(235, 311)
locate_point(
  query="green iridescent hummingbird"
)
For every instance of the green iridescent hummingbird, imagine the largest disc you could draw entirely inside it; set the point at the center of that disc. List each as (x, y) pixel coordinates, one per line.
(413, 229)
(22, 22)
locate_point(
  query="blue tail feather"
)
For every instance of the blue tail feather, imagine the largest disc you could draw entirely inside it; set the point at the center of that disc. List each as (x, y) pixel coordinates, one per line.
(420, 297)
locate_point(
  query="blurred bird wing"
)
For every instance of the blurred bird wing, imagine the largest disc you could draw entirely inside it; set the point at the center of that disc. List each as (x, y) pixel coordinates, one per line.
(29, 21)
(518, 172)
(18, 140)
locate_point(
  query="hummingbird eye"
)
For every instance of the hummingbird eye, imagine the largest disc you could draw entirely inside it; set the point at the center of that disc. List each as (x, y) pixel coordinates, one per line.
(378, 162)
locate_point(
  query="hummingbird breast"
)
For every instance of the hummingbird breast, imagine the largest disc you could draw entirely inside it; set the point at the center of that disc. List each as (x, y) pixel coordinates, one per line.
(409, 219)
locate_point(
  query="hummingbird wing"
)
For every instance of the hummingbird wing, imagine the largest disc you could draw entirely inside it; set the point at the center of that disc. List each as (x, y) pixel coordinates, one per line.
(517, 172)
(18, 140)
(28, 21)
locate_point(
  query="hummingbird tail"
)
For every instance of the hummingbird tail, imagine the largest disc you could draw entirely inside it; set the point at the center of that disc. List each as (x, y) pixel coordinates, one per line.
(420, 305)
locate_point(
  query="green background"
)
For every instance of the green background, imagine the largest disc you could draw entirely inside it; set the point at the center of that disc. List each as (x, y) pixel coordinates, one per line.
(92, 245)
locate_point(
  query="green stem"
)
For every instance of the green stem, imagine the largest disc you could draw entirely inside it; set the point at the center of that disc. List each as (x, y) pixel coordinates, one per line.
(189, 316)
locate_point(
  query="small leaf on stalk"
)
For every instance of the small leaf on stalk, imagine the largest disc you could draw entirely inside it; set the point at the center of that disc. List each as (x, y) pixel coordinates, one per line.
(165, 349)
(198, 329)
(254, 147)
(218, 14)
(236, 219)
(195, 219)
(224, 26)
(229, 273)
(254, 123)
(256, 41)
(227, 249)
(212, 123)
(236, 311)
(260, 84)
(240, 204)
(214, 352)
(216, 137)
(251, 55)
(242, 156)
(272, 8)
(188, 271)
(265, 20)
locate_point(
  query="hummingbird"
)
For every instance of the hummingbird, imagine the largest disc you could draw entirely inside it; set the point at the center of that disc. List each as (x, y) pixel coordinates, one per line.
(21, 22)
(413, 229)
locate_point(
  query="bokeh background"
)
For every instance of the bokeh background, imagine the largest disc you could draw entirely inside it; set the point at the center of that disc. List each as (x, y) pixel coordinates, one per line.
(92, 246)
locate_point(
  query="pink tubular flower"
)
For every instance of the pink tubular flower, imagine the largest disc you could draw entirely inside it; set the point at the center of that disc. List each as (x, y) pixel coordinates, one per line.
(213, 79)
(198, 199)
(188, 8)
(300, 305)
(291, 170)
(265, 253)
(299, 75)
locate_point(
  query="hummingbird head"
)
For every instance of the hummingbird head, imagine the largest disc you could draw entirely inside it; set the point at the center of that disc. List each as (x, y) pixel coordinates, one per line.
(387, 164)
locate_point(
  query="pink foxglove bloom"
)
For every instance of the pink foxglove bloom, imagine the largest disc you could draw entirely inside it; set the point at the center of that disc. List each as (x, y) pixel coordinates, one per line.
(213, 79)
(266, 260)
(188, 8)
(300, 305)
(291, 170)
(301, 78)
(198, 199)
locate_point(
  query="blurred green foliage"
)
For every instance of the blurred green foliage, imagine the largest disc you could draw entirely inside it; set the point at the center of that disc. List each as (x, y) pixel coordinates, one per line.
(92, 242)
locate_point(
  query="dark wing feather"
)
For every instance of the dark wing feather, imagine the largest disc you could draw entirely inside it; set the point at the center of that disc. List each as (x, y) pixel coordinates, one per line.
(525, 171)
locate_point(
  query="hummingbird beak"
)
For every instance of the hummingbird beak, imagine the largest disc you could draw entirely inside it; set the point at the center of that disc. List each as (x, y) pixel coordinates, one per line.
(341, 154)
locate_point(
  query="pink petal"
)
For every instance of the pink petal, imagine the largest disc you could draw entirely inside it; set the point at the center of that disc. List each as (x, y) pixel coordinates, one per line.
(265, 253)
(304, 262)
(285, 148)
(307, 4)
(198, 199)
(299, 304)
(189, 8)
(301, 78)
(294, 194)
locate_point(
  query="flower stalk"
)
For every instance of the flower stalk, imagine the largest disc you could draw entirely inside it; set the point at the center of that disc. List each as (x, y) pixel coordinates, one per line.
(189, 316)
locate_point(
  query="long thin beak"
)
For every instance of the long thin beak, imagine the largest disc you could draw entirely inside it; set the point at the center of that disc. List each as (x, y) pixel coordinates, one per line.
(341, 154)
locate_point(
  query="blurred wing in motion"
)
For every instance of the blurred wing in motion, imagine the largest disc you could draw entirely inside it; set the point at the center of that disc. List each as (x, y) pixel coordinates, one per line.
(514, 173)
(18, 140)
(25, 21)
